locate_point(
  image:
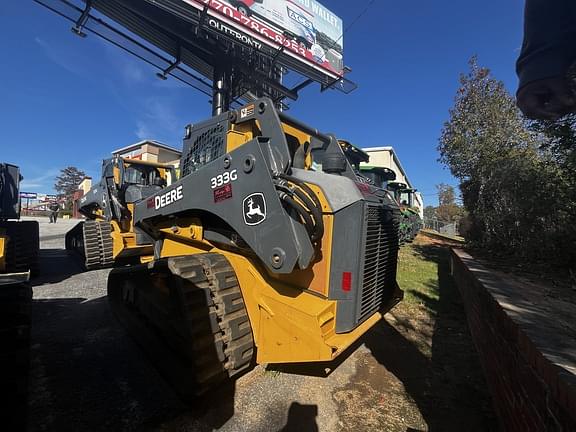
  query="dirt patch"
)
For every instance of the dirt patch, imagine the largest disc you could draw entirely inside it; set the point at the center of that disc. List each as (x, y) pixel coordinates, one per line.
(376, 400)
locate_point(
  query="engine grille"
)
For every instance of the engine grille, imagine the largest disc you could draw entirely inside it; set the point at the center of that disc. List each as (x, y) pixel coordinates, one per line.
(204, 148)
(380, 259)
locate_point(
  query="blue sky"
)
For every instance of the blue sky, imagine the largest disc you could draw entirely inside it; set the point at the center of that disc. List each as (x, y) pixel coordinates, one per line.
(71, 101)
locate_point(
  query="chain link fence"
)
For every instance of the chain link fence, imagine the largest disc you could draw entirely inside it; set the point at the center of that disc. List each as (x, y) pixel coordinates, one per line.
(443, 227)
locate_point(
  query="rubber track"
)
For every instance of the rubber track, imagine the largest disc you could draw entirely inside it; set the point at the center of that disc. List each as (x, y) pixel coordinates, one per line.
(233, 337)
(23, 246)
(106, 246)
(97, 244)
(199, 335)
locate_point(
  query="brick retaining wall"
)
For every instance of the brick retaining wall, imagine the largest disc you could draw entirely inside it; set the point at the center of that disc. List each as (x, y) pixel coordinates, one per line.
(527, 346)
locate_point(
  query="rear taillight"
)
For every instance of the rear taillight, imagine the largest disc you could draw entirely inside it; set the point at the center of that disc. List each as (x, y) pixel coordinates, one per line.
(346, 281)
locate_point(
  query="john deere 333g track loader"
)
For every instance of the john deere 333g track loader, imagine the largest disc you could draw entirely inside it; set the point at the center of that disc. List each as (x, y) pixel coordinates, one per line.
(268, 248)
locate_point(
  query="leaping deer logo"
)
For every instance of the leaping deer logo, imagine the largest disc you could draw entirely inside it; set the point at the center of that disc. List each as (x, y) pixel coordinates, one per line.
(254, 209)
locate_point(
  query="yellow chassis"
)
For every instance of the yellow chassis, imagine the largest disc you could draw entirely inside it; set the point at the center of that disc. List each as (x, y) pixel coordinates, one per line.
(9, 278)
(289, 324)
(3, 243)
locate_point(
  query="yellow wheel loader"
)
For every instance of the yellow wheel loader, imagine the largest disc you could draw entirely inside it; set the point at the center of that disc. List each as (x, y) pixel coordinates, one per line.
(268, 249)
(107, 237)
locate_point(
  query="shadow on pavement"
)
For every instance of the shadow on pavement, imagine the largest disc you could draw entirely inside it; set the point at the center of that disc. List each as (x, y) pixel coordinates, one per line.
(301, 418)
(56, 265)
(448, 388)
(88, 374)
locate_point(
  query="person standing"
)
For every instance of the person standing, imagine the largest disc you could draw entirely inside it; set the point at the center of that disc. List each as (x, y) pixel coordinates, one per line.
(548, 54)
(54, 208)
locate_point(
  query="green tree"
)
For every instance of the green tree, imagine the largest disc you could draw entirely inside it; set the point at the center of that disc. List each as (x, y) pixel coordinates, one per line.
(68, 181)
(447, 210)
(558, 138)
(446, 195)
(484, 125)
(429, 212)
(511, 183)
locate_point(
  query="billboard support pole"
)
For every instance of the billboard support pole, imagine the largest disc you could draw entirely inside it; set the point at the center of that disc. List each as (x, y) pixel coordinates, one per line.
(221, 89)
(278, 76)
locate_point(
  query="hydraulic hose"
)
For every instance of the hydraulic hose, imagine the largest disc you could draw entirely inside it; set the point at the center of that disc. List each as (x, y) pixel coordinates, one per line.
(308, 223)
(316, 208)
(303, 185)
(316, 214)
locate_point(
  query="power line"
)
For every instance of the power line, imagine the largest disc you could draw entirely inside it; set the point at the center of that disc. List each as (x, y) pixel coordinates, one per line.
(354, 21)
(349, 26)
(358, 17)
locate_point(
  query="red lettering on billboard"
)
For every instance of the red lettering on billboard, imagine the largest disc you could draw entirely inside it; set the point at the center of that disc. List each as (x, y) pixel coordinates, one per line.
(259, 28)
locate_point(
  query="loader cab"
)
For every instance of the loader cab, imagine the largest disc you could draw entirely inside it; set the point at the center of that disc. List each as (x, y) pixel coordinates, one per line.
(396, 188)
(407, 198)
(403, 194)
(141, 179)
(10, 179)
(358, 160)
(355, 155)
(142, 176)
(379, 176)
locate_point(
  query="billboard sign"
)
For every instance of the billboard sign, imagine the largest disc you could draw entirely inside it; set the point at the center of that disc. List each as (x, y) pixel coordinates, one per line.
(45, 197)
(304, 29)
(28, 195)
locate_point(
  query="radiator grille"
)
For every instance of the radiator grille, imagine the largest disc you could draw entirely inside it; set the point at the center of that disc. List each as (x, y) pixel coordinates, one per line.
(380, 259)
(205, 147)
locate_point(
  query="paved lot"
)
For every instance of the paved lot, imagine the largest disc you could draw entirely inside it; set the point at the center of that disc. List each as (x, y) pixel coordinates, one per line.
(88, 375)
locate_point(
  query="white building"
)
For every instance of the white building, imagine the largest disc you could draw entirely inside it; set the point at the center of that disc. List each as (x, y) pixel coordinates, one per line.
(386, 157)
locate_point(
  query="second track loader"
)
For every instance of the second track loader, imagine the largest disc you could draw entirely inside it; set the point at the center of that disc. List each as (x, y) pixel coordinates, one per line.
(411, 222)
(107, 236)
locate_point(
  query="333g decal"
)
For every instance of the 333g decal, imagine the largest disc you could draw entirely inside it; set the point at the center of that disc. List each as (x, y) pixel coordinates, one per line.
(224, 178)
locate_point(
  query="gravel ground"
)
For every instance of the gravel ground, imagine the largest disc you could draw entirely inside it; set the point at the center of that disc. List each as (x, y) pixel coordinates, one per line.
(87, 375)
